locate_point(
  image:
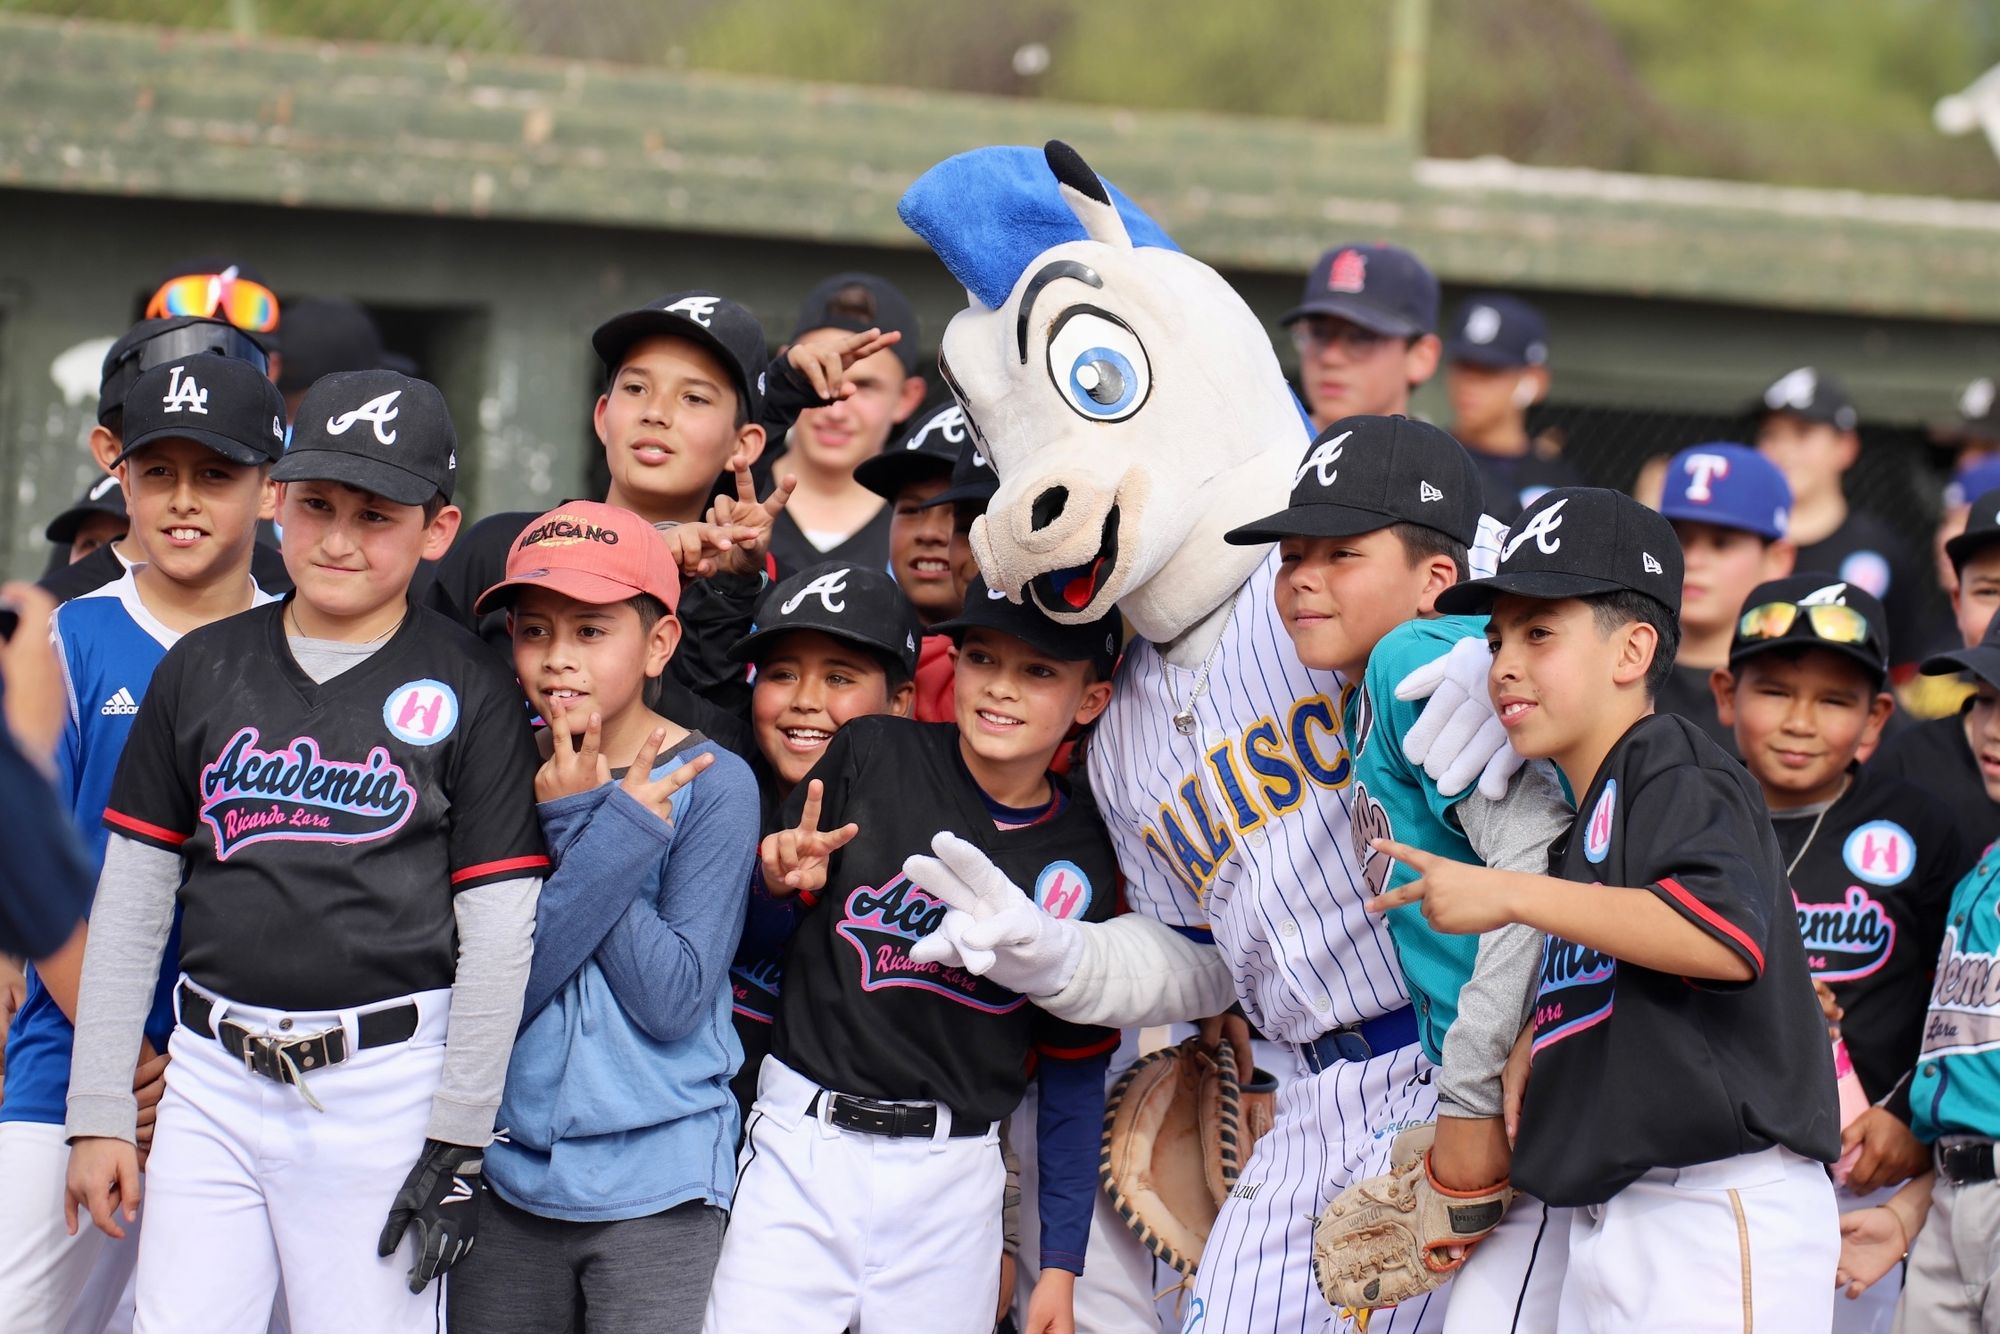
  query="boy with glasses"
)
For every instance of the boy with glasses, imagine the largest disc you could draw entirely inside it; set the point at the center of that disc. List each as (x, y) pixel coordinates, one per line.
(1364, 332)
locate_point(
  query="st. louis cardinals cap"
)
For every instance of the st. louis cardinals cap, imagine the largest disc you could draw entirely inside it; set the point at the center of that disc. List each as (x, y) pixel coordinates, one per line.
(1365, 473)
(103, 496)
(838, 598)
(1503, 332)
(1095, 642)
(1576, 541)
(380, 431)
(858, 301)
(151, 343)
(929, 448)
(1383, 288)
(589, 551)
(973, 480)
(1730, 486)
(1799, 611)
(228, 405)
(715, 322)
(1982, 659)
(1809, 393)
(1982, 529)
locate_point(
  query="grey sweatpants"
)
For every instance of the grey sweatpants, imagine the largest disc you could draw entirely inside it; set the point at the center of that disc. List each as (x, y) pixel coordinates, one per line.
(1952, 1285)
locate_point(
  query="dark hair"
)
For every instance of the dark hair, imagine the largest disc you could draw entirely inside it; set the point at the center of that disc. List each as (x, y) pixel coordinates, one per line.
(856, 301)
(1621, 607)
(1421, 543)
(434, 507)
(651, 611)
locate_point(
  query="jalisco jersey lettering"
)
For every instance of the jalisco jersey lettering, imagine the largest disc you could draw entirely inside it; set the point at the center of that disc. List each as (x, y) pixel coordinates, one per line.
(324, 827)
(856, 1013)
(1956, 1089)
(1636, 1069)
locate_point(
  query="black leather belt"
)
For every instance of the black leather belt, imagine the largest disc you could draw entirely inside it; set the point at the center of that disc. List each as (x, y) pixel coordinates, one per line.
(285, 1059)
(897, 1120)
(1966, 1162)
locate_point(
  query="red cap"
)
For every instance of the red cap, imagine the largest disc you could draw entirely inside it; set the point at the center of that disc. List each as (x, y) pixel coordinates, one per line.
(591, 552)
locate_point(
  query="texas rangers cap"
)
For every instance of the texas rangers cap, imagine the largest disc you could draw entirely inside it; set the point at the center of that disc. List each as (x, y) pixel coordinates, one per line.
(1815, 611)
(1503, 332)
(1383, 288)
(858, 301)
(228, 405)
(973, 480)
(325, 334)
(1729, 486)
(847, 601)
(103, 496)
(1576, 541)
(381, 431)
(1095, 642)
(151, 343)
(1809, 393)
(1365, 473)
(1982, 659)
(929, 448)
(589, 551)
(717, 323)
(1982, 529)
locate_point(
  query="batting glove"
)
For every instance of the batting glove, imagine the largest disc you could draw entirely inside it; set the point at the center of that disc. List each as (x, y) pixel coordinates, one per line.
(1458, 737)
(439, 1203)
(992, 927)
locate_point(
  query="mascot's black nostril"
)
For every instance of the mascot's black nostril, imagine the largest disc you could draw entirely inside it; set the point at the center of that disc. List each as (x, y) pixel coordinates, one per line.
(1049, 507)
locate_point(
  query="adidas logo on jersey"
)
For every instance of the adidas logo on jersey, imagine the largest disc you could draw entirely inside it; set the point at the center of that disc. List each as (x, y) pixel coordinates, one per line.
(120, 704)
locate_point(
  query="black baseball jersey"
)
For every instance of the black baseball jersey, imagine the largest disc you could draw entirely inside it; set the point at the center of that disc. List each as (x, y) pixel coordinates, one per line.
(1511, 485)
(1873, 878)
(855, 1014)
(1868, 553)
(1686, 694)
(1636, 1069)
(868, 545)
(323, 829)
(1935, 756)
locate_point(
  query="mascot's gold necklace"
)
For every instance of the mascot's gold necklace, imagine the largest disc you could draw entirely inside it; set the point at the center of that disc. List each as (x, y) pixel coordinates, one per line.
(1184, 713)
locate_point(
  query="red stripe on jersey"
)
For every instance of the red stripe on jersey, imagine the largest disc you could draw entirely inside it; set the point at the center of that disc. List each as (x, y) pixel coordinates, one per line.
(140, 827)
(1714, 920)
(466, 873)
(1078, 1053)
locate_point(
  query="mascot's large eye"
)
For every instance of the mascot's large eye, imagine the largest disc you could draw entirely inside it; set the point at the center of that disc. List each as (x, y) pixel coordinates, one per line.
(1098, 364)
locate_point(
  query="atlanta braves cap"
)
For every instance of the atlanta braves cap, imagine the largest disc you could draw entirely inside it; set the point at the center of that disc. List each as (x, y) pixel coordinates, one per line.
(1095, 642)
(858, 301)
(1365, 473)
(715, 322)
(1809, 393)
(103, 496)
(1982, 659)
(973, 480)
(1778, 615)
(1384, 288)
(1503, 332)
(228, 405)
(1982, 529)
(929, 448)
(1729, 486)
(847, 601)
(151, 343)
(381, 431)
(1576, 541)
(589, 551)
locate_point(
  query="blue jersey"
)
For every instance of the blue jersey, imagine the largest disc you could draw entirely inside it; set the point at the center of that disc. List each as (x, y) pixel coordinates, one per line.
(108, 645)
(1956, 1088)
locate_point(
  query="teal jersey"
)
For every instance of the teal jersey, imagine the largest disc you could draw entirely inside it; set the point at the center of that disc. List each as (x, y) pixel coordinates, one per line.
(1956, 1088)
(1394, 798)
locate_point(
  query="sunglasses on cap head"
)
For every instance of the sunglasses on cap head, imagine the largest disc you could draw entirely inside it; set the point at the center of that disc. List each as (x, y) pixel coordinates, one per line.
(194, 340)
(1828, 621)
(245, 303)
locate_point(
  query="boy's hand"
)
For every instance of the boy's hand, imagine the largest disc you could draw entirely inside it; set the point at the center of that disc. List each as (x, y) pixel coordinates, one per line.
(795, 860)
(36, 705)
(1871, 1244)
(1829, 1007)
(149, 1085)
(702, 549)
(1514, 1081)
(1889, 1152)
(1052, 1305)
(104, 1179)
(1459, 899)
(439, 1206)
(745, 514)
(825, 365)
(1006, 1287)
(657, 794)
(570, 769)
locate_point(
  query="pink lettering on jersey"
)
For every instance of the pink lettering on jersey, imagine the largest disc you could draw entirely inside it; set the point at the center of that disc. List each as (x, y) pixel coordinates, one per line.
(249, 795)
(1846, 940)
(883, 923)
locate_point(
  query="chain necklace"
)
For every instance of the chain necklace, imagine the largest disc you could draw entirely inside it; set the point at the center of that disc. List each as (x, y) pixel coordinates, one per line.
(292, 612)
(1183, 717)
(1813, 833)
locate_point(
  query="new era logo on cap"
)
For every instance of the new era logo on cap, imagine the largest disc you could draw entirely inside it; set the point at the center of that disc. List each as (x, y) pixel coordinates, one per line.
(1427, 493)
(1652, 565)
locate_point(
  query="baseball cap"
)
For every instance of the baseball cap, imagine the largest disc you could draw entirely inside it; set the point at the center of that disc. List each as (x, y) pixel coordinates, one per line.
(1729, 486)
(1809, 393)
(1982, 529)
(1816, 610)
(103, 496)
(151, 343)
(1498, 331)
(1978, 413)
(717, 323)
(589, 551)
(857, 301)
(973, 480)
(1971, 482)
(1576, 541)
(1365, 473)
(228, 405)
(1095, 642)
(1383, 288)
(383, 432)
(1982, 659)
(929, 448)
(851, 602)
(324, 334)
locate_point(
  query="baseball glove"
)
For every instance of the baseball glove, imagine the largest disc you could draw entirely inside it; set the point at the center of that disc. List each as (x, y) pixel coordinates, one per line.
(1383, 1240)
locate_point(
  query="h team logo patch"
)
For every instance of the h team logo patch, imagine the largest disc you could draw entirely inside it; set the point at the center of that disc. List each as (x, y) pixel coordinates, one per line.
(1063, 890)
(1597, 834)
(422, 713)
(1880, 852)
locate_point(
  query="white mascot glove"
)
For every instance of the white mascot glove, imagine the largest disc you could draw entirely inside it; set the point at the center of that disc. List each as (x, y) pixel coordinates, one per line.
(1458, 737)
(992, 927)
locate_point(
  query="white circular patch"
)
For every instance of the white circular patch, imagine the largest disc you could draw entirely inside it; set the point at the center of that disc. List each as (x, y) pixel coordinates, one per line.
(1867, 570)
(1880, 852)
(1597, 834)
(421, 712)
(1063, 890)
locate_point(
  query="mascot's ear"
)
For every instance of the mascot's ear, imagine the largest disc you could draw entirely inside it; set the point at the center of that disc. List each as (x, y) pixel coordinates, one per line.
(1086, 196)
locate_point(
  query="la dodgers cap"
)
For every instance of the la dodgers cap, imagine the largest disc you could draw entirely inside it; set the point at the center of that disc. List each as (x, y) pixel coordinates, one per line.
(1810, 393)
(715, 322)
(1096, 642)
(589, 551)
(1817, 589)
(973, 480)
(1982, 659)
(929, 448)
(1982, 529)
(1383, 288)
(858, 301)
(228, 405)
(151, 343)
(1365, 473)
(381, 431)
(103, 496)
(1729, 486)
(1576, 541)
(1503, 332)
(847, 601)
